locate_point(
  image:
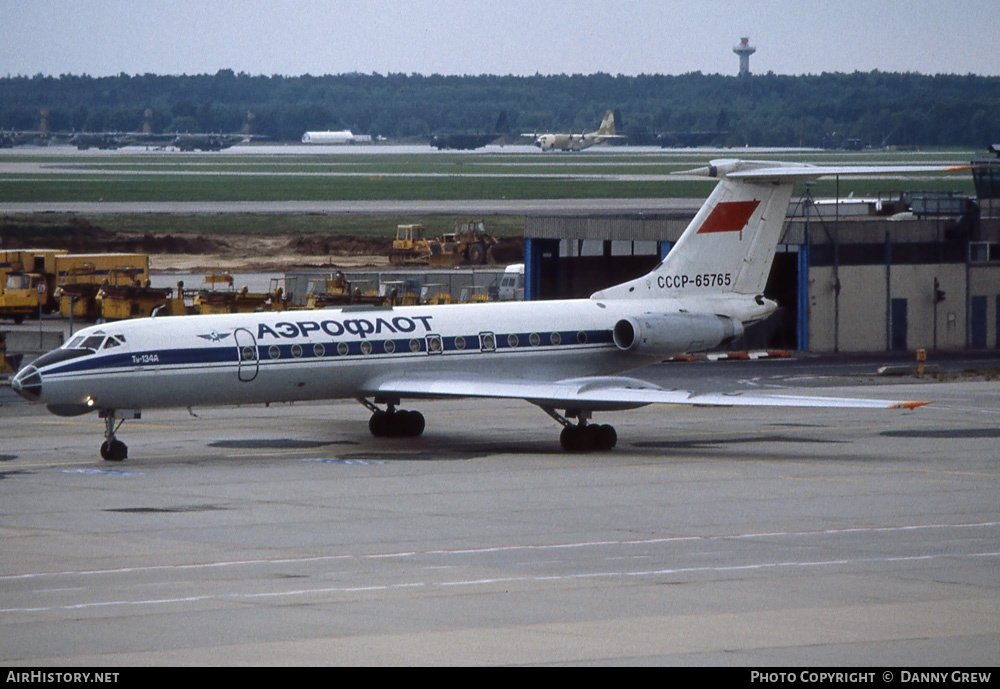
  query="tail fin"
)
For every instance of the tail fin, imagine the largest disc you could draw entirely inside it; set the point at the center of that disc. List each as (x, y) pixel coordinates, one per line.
(502, 126)
(607, 124)
(729, 245)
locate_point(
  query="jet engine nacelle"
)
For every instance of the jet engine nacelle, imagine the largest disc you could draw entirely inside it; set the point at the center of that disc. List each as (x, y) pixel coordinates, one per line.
(667, 334)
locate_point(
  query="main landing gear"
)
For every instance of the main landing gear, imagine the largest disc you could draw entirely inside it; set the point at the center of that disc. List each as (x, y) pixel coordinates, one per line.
(112, 449)
(575, 437)
(392, 422)
(583, 436)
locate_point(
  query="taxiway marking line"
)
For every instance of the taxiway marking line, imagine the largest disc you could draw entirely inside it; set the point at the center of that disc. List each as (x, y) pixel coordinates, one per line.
(498, 549)
(221, 597)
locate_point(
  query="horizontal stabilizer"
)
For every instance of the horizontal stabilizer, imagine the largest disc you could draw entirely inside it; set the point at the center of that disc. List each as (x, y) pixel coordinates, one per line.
(770, 171)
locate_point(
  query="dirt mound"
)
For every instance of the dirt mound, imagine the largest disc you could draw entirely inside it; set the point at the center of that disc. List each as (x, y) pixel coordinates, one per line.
(78, 236)
(70, 234)
(247, 252)
(170, 244)
(339, 246)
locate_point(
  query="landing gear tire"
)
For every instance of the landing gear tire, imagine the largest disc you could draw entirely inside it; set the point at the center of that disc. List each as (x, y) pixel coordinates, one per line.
(114, 451)
(575, 439)
(413, 424)
(378, 424)
(607, 437)
(588, 438)
(396, 424)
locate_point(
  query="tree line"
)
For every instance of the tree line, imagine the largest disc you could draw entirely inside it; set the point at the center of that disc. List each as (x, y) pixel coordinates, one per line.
(864, 108)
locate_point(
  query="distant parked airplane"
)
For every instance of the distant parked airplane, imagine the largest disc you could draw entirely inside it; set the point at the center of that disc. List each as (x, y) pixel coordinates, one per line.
(466, 142)
(578, 142)
(344, 136)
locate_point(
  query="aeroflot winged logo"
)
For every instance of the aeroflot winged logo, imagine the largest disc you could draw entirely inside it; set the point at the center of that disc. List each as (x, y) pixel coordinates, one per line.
(729, 216)
(214, 336)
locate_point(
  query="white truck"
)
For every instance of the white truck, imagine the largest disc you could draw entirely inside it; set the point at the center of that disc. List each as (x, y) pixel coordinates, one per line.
(512, 283)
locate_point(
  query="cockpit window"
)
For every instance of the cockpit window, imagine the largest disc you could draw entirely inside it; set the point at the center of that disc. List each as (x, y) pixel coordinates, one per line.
(93, 342)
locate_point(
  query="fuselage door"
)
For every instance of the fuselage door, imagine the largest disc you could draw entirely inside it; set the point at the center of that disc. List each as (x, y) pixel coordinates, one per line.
(246, 350)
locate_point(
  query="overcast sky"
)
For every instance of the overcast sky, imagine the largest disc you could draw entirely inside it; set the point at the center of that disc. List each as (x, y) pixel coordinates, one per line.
(292, 37)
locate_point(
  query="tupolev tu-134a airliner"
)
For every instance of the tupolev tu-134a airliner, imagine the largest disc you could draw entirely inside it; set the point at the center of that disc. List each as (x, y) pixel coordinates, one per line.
(565, 356)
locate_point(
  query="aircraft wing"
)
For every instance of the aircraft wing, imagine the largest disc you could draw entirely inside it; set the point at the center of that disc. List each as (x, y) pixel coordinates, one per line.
(605, 393)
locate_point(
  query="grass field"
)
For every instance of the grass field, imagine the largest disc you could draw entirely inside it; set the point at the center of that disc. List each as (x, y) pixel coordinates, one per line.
(67, 176)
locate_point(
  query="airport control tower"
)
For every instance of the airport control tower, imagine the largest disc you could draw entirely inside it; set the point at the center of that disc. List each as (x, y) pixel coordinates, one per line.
(744, 50)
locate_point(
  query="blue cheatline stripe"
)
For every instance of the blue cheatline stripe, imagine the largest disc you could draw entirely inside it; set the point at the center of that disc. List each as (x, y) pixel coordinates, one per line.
(208, 357)
(165, 357)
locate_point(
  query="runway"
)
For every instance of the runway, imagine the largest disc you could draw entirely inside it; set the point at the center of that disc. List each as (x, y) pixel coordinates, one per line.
(560, 207)
(287, 535)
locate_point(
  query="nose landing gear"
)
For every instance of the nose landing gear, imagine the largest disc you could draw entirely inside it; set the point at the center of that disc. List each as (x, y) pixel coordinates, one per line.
(112, 449)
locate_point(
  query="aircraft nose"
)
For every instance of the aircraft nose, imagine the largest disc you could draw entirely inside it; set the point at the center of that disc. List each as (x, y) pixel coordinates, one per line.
(28, 383)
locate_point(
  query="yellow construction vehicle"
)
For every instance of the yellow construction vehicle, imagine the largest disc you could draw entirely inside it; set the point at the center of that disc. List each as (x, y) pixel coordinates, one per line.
(27, 282)
(434, 293)
(81, 277)
(9, 363)
(474, 294)
(470, 243)
(336, 290)
(77, 294)
(213, 300)
(401, 292)
(139, 301)
(410, 246)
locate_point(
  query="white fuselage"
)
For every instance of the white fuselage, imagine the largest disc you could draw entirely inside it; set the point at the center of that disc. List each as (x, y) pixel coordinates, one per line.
(341, 353)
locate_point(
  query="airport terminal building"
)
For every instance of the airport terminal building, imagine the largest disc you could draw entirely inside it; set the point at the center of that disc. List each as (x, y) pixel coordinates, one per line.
(921, 270)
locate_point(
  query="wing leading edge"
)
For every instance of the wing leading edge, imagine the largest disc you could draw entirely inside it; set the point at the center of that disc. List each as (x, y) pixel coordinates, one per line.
(608, 393)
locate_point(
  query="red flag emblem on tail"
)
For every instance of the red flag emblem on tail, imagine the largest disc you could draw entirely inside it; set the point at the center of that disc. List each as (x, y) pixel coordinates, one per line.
(730, 216)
